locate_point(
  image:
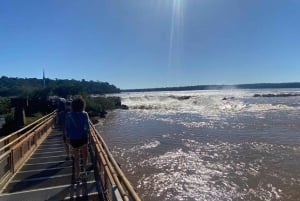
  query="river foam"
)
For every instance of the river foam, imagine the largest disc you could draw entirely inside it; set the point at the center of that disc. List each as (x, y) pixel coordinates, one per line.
(208, 145)
(205, 103)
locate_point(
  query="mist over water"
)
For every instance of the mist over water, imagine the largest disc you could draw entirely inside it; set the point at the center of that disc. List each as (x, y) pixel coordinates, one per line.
(208, 145)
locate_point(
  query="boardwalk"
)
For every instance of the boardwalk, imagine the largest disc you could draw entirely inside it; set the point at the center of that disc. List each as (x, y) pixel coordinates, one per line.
(47, 175)
(33, 167)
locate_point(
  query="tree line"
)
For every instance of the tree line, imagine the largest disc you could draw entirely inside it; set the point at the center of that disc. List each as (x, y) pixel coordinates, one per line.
(39, 98)
(61, 87)
(219, 87)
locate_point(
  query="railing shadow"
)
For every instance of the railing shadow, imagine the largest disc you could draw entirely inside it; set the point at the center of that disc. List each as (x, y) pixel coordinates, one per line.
(74, 192)
(78, 191)
(39, 178)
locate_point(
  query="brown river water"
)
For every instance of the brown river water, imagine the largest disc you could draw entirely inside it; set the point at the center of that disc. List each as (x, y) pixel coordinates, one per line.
(209, 145)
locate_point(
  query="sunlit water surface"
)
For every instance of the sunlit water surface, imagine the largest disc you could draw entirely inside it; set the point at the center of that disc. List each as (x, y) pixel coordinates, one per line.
(208, 145)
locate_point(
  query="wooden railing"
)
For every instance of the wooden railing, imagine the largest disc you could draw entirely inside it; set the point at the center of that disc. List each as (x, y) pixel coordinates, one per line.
(114, 182)
(17, 147)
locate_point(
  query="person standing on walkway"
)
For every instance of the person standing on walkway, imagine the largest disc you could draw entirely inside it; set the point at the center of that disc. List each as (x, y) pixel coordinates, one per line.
(77, 127)
(62, 123)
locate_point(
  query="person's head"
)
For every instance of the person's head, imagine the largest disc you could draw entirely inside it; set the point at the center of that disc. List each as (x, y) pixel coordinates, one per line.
(68, 104)
(61, 105)
(78, 105)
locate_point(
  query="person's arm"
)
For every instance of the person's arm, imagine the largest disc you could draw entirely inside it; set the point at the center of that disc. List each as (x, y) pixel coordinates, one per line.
(87, 126)
(86, 123)
(67, 125)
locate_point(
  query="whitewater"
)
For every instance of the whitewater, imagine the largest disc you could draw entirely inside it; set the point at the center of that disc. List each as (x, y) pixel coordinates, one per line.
(209, 145)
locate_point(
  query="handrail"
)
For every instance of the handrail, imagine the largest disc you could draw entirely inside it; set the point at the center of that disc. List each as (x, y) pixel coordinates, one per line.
(118, 176)
(114, 182)
(13, 155)
(112, 175)
(35, 124)
(26, 127)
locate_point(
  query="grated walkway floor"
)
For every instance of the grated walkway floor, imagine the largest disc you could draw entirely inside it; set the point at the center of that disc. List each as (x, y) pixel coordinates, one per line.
(47, 175)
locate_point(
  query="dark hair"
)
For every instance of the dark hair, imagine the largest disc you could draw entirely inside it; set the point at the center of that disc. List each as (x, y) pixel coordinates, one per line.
(68, 103)
(78, 105)
(61, 106)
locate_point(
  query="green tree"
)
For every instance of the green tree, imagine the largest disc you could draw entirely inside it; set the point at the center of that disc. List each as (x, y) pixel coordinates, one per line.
(4, 105)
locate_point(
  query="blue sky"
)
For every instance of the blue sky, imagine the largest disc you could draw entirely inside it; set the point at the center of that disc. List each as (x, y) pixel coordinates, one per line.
(152, 43)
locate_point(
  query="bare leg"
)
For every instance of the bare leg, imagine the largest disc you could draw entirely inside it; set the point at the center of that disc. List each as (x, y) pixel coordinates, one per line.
(76, 163)
(67, 144)
(67, 148)
(84, 152)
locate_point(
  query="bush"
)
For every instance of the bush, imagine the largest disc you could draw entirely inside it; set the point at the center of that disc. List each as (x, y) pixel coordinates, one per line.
(33, 118)
(4, 105)
(97, 106)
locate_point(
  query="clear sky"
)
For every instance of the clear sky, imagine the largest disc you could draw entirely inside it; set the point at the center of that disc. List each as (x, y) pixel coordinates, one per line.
(152, 43)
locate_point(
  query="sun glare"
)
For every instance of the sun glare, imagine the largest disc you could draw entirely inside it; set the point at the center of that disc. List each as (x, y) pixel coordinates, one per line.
(176, 20)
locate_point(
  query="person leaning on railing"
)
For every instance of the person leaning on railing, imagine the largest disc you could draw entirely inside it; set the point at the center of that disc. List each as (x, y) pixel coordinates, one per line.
(77, 127)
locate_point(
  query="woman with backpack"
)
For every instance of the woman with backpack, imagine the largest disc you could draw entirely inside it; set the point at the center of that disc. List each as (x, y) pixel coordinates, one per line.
(77, 127)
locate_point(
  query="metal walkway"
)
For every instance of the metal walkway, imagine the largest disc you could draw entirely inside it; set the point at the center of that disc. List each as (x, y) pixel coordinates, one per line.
(47, 175)
(33, 167)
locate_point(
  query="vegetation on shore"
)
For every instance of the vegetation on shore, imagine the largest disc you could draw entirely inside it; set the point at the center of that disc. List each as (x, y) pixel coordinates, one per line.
(59, 87)
(38, 99)
(219, 87)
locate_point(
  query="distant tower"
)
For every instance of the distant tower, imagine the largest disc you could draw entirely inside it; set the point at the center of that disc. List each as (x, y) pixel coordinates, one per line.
(44, 80)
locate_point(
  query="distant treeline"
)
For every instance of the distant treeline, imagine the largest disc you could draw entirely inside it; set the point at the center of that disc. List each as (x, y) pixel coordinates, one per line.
(59, 87)
(36, 98)
(219, 87)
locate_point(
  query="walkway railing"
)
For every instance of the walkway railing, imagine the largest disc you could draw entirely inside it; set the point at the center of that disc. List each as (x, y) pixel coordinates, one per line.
(18, 146)
(114, 182)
